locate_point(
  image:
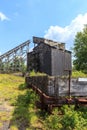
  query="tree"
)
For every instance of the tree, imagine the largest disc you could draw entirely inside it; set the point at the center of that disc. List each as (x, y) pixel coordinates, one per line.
(80, 50)
(18, 65)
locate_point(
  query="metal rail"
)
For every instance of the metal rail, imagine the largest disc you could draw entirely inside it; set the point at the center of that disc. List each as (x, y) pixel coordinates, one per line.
(48, 102)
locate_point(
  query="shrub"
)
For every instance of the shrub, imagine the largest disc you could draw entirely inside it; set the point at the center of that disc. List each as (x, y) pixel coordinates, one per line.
(73, 120)
(52, 122)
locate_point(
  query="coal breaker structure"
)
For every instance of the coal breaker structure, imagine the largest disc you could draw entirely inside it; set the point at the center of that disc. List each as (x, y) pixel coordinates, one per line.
(56, 88)
(49, 57)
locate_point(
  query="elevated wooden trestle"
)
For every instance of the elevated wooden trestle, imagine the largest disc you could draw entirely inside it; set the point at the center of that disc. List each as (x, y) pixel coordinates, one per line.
(18, 52)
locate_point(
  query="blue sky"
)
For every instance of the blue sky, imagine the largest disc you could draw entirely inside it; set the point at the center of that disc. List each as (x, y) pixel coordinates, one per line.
(58, 20)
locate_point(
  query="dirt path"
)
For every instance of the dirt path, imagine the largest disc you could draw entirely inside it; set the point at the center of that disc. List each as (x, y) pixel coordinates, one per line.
(5, 114)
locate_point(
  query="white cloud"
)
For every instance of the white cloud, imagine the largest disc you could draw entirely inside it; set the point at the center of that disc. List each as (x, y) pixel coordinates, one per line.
(67, 34)
(3, 17)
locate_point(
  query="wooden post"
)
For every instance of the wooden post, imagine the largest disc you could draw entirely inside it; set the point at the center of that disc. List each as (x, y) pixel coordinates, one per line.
(69, 82)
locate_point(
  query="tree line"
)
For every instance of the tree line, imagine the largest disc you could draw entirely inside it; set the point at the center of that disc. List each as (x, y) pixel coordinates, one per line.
(17, 64)
(80, 51)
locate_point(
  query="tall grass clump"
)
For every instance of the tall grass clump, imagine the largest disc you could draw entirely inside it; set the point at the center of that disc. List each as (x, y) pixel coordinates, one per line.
(33, 73)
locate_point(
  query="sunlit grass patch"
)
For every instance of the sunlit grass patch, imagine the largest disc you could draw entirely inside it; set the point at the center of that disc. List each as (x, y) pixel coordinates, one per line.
(13, 128)
(19, 101)
(9, 86)
(77, 74)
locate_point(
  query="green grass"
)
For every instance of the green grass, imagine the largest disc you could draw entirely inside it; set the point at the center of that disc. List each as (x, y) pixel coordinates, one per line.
(17, 103)
(33, 73)
(20, 111)
(77, 74)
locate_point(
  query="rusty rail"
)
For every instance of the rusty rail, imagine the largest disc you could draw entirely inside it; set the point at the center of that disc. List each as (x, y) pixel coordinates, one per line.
(48, 103)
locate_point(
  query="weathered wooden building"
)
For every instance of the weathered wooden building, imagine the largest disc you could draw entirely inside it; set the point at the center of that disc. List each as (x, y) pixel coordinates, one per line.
(49, 57)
